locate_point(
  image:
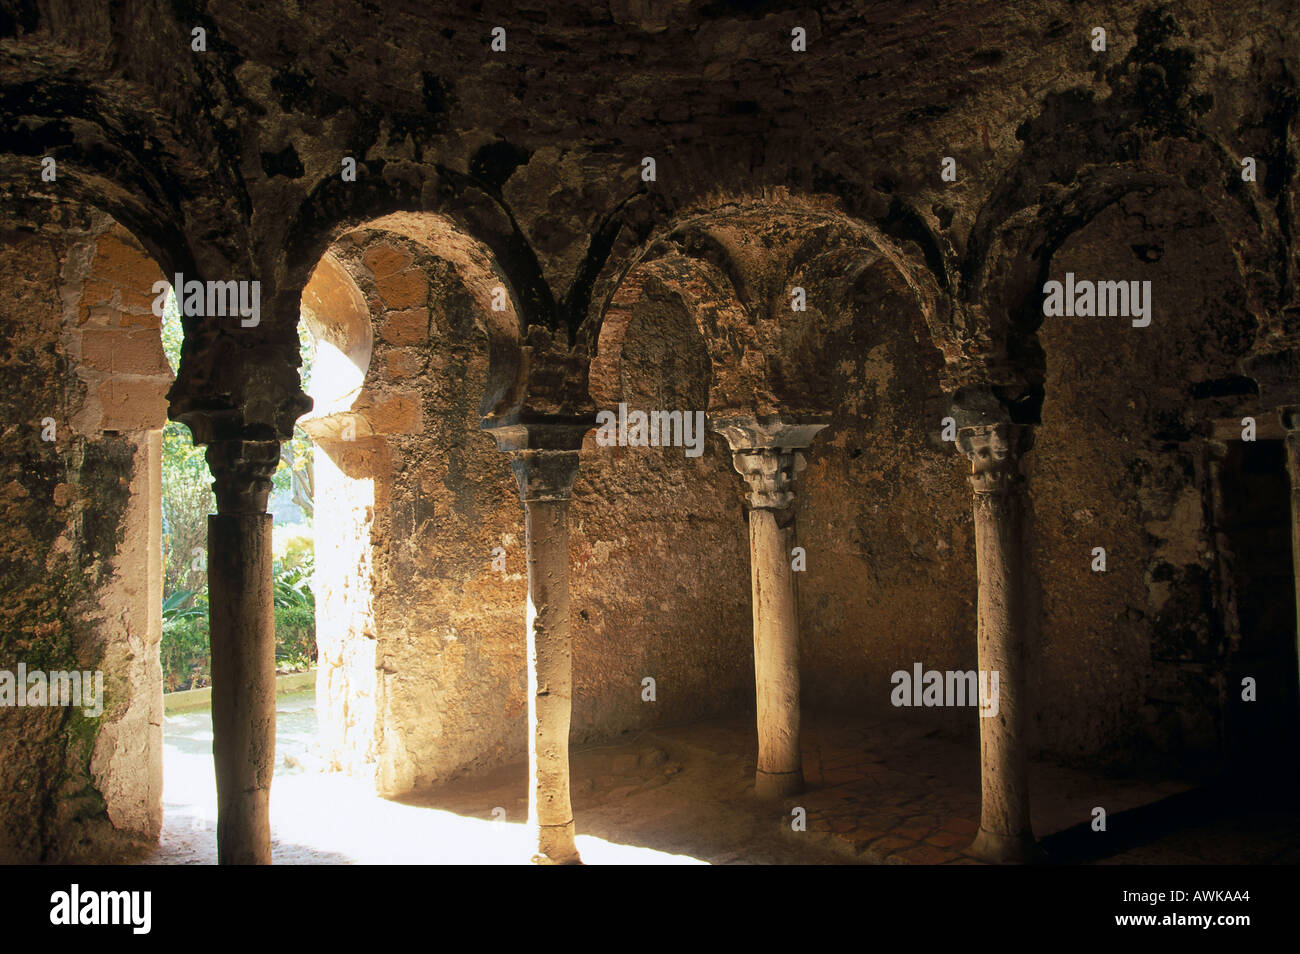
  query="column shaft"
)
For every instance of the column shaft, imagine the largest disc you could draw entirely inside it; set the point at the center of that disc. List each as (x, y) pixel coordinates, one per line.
(242, 630)
(241, 627)
(1004, 778)
(776, 657)
(550, 679)
(1005, 833)
(769, 455)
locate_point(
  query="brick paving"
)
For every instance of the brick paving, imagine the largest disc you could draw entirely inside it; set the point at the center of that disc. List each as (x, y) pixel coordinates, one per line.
(878, 792)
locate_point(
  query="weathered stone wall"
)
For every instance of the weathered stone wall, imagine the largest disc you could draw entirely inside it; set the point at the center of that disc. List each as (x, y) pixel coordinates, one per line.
(82, 563)
(448, 628)
(1128, 659)
(884, 513)
(230, 161)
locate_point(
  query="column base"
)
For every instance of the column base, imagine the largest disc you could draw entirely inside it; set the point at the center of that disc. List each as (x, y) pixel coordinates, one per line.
(555, 846)
(777, 784)
(1000, 849)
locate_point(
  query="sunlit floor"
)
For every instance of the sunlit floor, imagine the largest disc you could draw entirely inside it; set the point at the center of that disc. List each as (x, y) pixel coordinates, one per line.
(877, 793)
(329, 819)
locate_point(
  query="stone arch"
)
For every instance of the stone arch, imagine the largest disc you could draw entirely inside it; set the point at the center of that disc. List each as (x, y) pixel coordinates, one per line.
(81, 181)
(1007, 294)
(415, 500)
(82, 516)
(734, 268)
(499, 314)
(714, 295)
(1049, 194)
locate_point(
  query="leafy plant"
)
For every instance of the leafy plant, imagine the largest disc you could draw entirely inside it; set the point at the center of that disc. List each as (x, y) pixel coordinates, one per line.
(184, 653)
(174, 607)
(292, 585)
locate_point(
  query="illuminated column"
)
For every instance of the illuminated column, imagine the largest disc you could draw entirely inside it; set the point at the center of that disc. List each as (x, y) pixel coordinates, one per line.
(545, 462)
(770, 456)
(1005, 833)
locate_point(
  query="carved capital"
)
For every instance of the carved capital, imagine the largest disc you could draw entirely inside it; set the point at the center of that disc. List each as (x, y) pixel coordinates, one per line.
(750, 433)
(767, 452)
(544, 474)
(543, 455)
(1290, 417)
(241, 473)
(994, 451)
(770, 473)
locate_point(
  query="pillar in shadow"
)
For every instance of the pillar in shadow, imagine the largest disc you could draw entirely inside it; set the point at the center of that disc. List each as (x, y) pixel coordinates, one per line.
(242, 632)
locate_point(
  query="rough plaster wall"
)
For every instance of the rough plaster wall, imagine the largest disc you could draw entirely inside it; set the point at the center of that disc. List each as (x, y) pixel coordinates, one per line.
(660, 547)
(81, 569)
(885, 516)
(659, 574)
(448, 660)
(1126, 659)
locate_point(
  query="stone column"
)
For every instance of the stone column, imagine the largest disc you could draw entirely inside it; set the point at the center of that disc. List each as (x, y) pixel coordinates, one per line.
(770, 456)
(1005, 833)
(1291, 421)
(545, 474)
(242, 630)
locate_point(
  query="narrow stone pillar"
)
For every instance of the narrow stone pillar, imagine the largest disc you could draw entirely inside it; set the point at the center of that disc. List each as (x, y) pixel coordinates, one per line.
(1005, 833)
(1291, 421)
(545, 475)
(242, 631)
(770, 456)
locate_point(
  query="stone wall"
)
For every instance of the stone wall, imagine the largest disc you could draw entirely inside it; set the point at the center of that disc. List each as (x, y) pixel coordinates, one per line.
(659, 562)
(80, 515)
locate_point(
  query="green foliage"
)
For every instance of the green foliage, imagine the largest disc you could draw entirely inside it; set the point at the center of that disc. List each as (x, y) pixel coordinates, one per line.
(187, 500)
(185, 654)
(174, 607)
(293, 545)
(295, 636)
(292, 585)
(187, 487)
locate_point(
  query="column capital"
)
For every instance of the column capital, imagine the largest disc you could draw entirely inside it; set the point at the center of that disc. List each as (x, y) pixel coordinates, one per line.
(995, 451)
(544, 455)
(241, 471)
(1289, 415)
(770, 473)
(769, 452)
(747, 433)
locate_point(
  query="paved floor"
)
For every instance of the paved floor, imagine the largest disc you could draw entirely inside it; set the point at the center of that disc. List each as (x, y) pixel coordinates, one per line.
(877, 793)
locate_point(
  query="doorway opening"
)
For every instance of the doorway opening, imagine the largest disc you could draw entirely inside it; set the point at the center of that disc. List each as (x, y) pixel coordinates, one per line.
(1261, 736)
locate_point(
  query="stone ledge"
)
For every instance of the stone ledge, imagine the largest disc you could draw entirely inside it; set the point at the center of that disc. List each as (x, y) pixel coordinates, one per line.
(189, 699)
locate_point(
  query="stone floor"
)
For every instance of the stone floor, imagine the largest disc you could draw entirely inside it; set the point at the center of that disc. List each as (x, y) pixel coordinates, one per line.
(877, 793)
